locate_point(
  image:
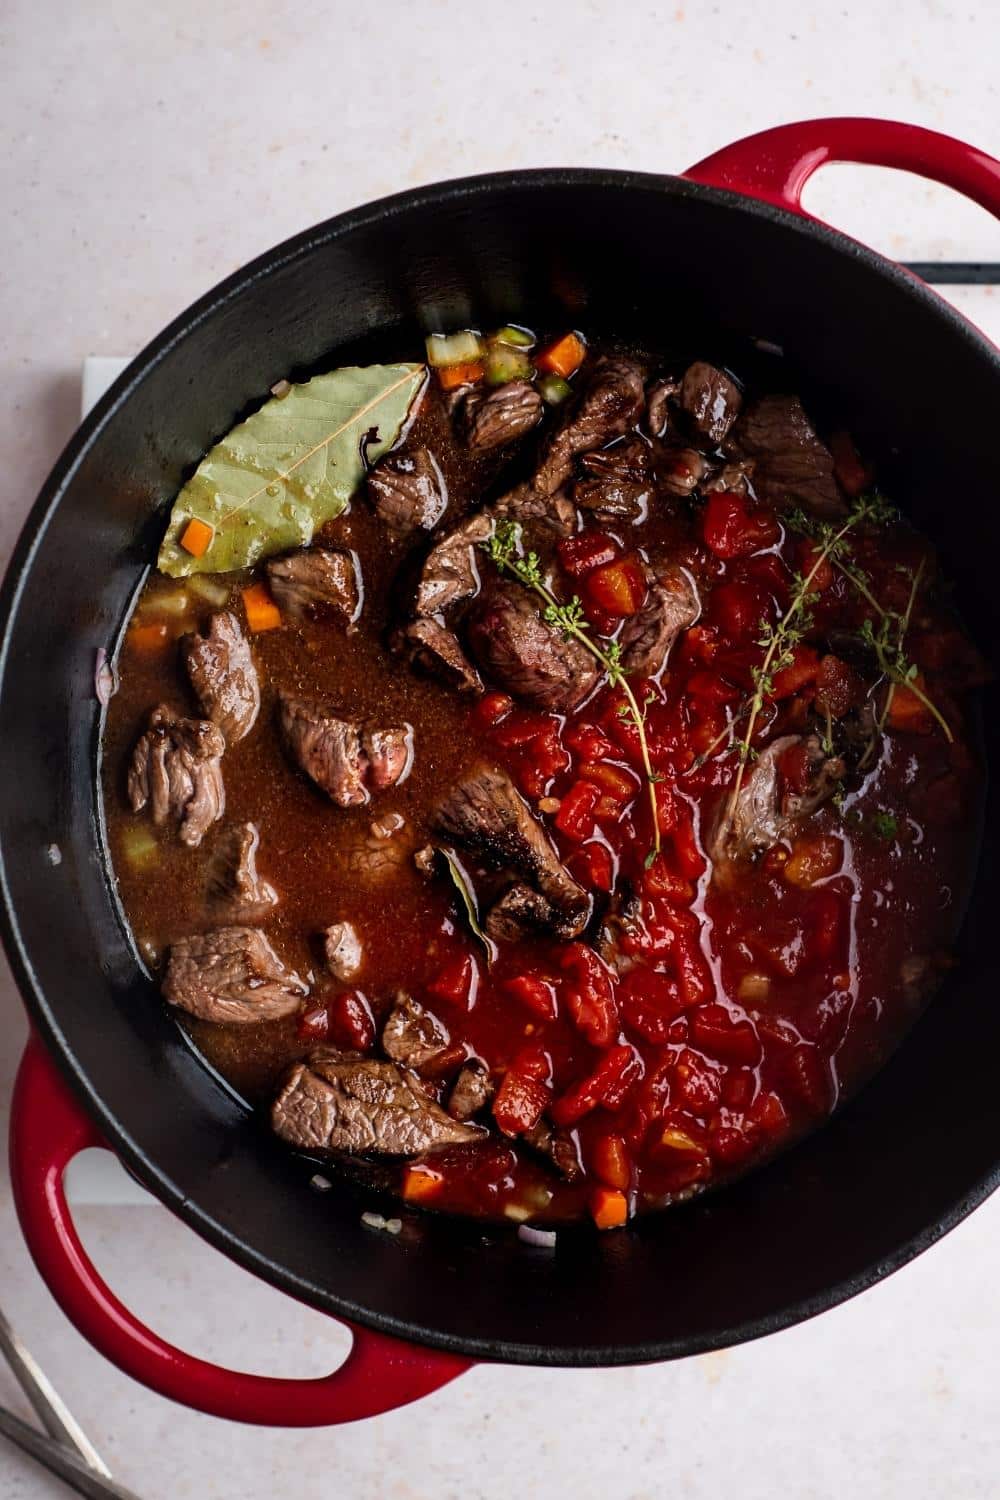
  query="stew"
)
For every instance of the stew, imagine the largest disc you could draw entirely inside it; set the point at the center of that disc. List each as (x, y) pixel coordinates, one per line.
(542, 779)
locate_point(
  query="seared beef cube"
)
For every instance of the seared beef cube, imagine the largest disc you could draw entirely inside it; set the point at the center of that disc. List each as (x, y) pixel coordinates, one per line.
(411, 1036)
(520, 912)
(792, 467)
(176, 769)
(611, 402)
(471, 1091)
(672, 604)
(337, 1103)
(486, 814)
(529, 508)
(825, 774)
(318, 580)
(758, 821)
(681, 470)
(344, 759)
(232, 977)
(558, 1147)
(532, 659)
(731, 478)
(407, 491)
(711, 402)
(342, 950)
(503, 416)
(435, 650)
(223, 675)
(658, 406)
(236, 892)
(618, 483)
(450, 572)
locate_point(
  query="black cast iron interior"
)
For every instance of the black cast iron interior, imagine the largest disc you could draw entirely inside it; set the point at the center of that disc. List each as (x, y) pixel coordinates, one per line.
(665, 259)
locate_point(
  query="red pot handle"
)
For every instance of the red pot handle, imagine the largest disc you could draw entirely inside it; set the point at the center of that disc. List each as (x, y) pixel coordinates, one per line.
(48, 1128)
(775, 165)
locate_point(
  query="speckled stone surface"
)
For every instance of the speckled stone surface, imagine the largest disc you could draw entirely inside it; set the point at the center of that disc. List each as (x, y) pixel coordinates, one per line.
(148, 152)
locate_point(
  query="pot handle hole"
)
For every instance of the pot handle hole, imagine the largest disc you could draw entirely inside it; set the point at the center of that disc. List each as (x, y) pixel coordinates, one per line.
(775, 165)
(48, 1128)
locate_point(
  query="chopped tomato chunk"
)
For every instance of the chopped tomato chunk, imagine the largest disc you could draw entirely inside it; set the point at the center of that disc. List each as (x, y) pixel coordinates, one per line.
(537, 994)
(618, 1066)
(731, 529)
(589, 994)
(575, 817)
(580, 554)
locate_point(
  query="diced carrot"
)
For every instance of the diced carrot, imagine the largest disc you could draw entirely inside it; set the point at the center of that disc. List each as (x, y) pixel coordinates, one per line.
(563, 357)
(452, 376)
(609, 1208)
(612, 780)
(420, 1184)
(148, 638)
(906, 712)
(609, 1160)
(197, 537)
(262, 612)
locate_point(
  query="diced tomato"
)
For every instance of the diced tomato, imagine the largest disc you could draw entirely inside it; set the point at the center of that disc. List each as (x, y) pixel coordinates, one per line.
(587, 741)
(619, 1088)
(813, 858)
(575, 817)
(351, 1021)
(659, 880)
(853, 473)
(666, 808)
(618, 1063)
(454, 982)
(700, 643)
(740, 610)
(906, 711)
(795, 765)
(580, 554)
(539, 995)
(765, 569)
(808, 556)
(594, 866)
(732, 530)
(650, 1003)
(613, 780)
(491, 708)
(519, 1102)
(688, 857)
(696, 1086)
(768, 1113)
(314, 1024)
(806, 1077)
(521, 728)
(803, 670)
(589, 994)
(838, 686)
(548, 753)
(713, 1029)
(609, 1160)
(738, 1085)
(690, 966)
(712, 688)
(825, 917)
(599, 620)
(618, 588)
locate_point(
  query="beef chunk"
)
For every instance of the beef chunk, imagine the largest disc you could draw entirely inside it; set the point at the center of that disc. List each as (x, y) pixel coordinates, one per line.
(232, 976)
(558, 1147)
(658, 406)
(611, 402)
(344, 759)
(764, 812)
(681, 470)
(520, 912)
(529, 508)
(486, 814)
(732, 478)
(176, 770)
(619, 481)
(319, 580)
(342, 950)
(503, 416)
(236, 893)
(411, 1036)
(407, 491)
(711, 402)
(791, 465)
(825, 774)
(223, 675)
(435, 650)
(338, 1103)
(532, 659)
(471, 1091)
(672, 604)
(450, 573)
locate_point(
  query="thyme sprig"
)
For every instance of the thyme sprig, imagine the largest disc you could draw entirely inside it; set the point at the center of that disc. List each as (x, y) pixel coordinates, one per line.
(504, 548)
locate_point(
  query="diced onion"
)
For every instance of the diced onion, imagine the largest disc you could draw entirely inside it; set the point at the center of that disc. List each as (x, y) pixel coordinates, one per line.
(208, 588)
(462, 348)
(281, 388)
(320, 1183)
(139, 846)
(545, 1239)
(753, 987)
(165, 602)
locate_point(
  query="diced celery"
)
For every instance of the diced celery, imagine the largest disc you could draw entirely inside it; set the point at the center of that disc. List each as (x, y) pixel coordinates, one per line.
(138, 846)
(462, 348)
(503, 364)
(208, 588)
(516, 338)
(165, 602)
(554, 389)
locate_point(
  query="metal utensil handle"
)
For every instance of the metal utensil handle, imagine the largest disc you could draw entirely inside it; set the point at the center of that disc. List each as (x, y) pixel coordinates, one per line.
(53, 1413)
(62, 1461)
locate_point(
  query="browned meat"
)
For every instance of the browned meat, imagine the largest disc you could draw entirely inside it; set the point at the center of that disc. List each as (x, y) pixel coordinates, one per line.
(176, 769)
(764, 811)
(681, 470)
(342, 950)
(503, 416)
(317, 580)
(826, 773)
(471, 1091)
(486, 814)
(619, 481)
(611, 402)
(337, 1103)
(520, 912)
(411, 1036)
(558, 1147)
(232, 976)
(732, 478)
(435, 650)
(529, 657)
(529, 507)
(658, 406)
(407, 491)
(672, 604)
(792, 466)
(345, 760)
(450, 572)
(711, 402)
(236, 892)
(223, 675)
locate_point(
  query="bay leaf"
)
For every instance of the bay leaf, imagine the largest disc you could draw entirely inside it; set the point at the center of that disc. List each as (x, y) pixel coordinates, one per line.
(463, 885)
(275, 478)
